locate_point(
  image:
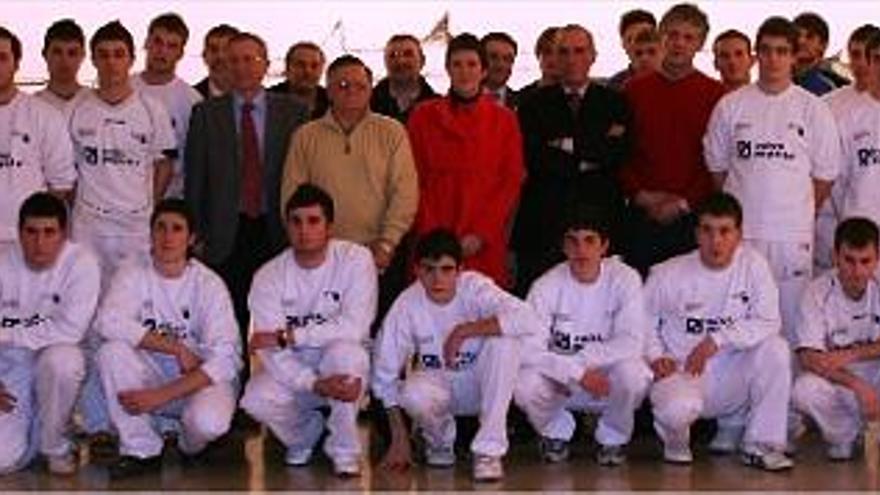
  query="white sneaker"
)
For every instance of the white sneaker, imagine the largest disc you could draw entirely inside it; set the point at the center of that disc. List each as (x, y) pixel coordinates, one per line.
(297, 457)
(726, 440)
(677, 453)
(766, 458)
(64, 465)
(840, 451)
(487, 468)
(440, 457)
(347, 467)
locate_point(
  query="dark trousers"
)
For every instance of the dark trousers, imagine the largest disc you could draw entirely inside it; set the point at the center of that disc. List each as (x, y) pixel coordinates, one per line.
(393, 281)
(649, 242)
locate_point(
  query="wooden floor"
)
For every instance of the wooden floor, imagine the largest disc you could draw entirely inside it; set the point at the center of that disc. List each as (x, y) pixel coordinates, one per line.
(249, 461)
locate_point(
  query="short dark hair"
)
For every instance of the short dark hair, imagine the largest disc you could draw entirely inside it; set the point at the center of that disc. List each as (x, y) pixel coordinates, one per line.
(871, 46)
(438, 243)
(856, 232)
(113, 31)
(582, 216)
(466, 42)
(686, 12)
(721, 204)
(172, 23)
(780, 27)
(173, 205)
(247, 36)
(812, 23)
(63, 30)
(734, 34)
(636, 16)
(14, 43)
(302, 45)
(348, 60)
(499, 36)
(308, 194)
(221, 31)
(545, 40)
(43, 205)
(863, 33)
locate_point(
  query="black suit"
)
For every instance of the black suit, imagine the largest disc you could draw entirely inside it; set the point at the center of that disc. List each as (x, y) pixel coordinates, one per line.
(322, 99)
(571, 159)
(383, 103)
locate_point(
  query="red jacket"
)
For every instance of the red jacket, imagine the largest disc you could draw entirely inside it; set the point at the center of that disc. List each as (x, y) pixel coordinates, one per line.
(470, 164)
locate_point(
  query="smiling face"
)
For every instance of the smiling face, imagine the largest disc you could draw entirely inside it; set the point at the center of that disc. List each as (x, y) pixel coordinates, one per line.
(403, 60)
(170, 237)
(465, 72)
(733, 60)
(349, 88)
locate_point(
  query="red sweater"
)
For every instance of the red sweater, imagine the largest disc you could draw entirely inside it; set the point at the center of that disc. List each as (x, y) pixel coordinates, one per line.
(669, 120)
(470, 165)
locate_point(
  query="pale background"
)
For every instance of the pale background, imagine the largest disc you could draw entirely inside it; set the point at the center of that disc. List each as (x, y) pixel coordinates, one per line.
(362, 27)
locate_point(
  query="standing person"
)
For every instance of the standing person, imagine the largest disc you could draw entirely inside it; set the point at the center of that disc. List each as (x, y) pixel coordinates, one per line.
(468, 153)
(166, 39)
(304, 64)
(576, 135)
(463, 334)
(172, 347)
(665, 177)
(64, 49)
(545, 52)
(365, 160)
(235, 153)
(49, 288)
(501, 51)
(631, 24)
(733, 59)
(312, 307)
(404, 86)
(812, 71)
(713, 341)
(588, 357)
(647, 53)
(781, 168)
(35, 151)
(214, 53)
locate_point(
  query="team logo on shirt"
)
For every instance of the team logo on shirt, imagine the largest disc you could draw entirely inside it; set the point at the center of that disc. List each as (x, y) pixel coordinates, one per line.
(766, 150)
(109, 156)
(868, 156)
(9, 161)
(26, 322)
(699, 326)
(166, 328)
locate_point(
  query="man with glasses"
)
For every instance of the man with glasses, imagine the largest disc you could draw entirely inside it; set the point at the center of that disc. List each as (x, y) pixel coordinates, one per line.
(404, 86)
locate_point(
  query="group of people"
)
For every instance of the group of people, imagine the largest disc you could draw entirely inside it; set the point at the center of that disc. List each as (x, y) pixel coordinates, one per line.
(149, 228)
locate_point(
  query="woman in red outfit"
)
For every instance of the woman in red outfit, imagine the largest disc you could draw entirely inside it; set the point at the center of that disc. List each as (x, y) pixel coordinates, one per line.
(468, 152)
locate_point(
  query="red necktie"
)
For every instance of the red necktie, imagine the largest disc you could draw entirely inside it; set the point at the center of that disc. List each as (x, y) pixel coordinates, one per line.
(252, 169)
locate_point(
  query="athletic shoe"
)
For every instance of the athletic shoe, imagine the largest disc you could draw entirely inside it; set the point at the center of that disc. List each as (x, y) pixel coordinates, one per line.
(128, 465)
(439, 457)
(102, 446)
(610, 455)
(553, 449)
(297, 457)
(726, 440)
(487, 468)
(64, 465)
(840, 451)
(677, 453)
(766, 458)
(347, 467)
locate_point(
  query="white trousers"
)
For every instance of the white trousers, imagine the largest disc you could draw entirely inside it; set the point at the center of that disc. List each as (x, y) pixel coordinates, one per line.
(433, 398)
(204, 416)
(823, 245)
(792, 267)
(292, 415)
(45, 384)
(756, 381)
(834, 408)
(547, 402)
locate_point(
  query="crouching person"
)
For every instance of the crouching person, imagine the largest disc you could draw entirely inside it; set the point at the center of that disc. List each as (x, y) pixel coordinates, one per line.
(589, 357)
(311, 309)
(463, 332)
(714, 343)
(839, 341)
(48, 293)
(172, 348)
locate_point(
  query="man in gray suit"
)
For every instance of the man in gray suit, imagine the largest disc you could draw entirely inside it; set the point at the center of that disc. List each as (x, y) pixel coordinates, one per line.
(235, 153)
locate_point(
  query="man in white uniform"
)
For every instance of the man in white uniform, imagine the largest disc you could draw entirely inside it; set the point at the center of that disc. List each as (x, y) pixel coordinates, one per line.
(714, 342)
(839, 341)
(172, 346)
(464, 334)
(166, 40)
(311, 308)
(64, 48)
(48, 293)
(35, 152)
(588, 356)
(775, 147)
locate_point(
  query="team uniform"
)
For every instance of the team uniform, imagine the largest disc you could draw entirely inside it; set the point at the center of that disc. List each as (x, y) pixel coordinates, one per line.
(831, 321)
(35, 155)
(330, 309)
(479, 382)
(63, 105)
(586, 326)
(195, 310)
(749, 376)
(860, 174)
(43, 317)
(772, 147)
(178, 98)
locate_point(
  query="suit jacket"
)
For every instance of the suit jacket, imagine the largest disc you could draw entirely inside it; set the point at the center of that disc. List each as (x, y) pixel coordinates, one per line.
(214, 173)
(322, 99)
